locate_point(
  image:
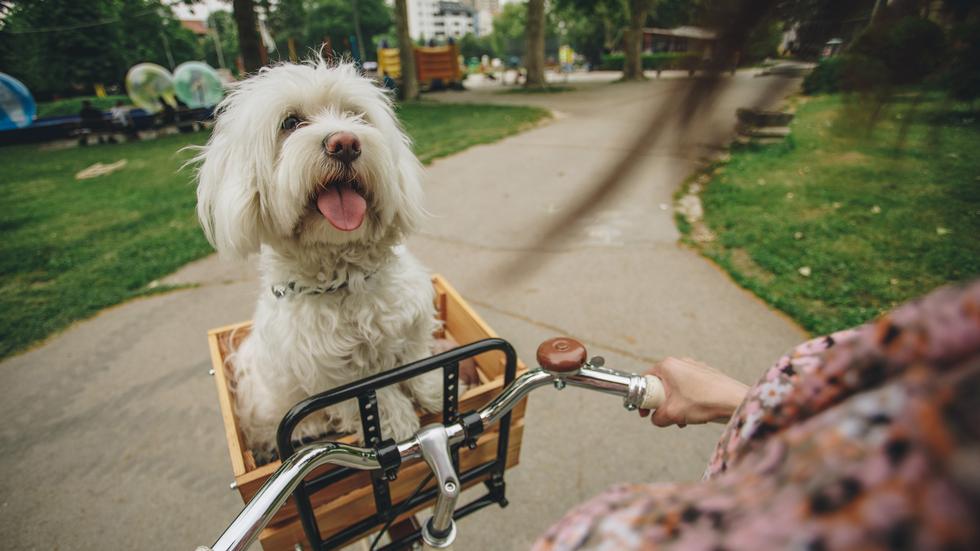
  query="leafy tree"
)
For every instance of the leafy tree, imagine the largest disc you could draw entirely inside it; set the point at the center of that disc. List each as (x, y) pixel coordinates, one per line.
(221, 25)
(669, 14)
(335, 19)
(963, 75)
(288, 23)
(591, 28)
(64, 47)
(508, 31)
(471, 46)
(762, 42)
(909, 49)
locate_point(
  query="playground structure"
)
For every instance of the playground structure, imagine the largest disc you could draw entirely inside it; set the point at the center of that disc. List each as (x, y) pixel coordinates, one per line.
(435, 66)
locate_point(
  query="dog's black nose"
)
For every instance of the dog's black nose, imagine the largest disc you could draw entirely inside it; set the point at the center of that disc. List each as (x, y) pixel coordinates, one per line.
(343, 146)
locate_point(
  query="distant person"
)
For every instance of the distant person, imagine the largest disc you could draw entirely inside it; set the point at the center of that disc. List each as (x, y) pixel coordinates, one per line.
(183, 117)
(168, 115)
(389, 82)
(119, 115)
(92, 123)
(122, 121)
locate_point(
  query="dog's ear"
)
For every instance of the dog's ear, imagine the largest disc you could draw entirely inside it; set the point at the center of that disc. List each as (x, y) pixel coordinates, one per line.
(227, 199)
(411, 210)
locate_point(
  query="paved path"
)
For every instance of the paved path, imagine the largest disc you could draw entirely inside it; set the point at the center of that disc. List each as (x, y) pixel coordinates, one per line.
(111, 436)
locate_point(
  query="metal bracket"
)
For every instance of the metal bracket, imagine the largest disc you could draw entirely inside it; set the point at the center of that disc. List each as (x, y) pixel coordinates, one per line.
(450, 403)
(371, 429)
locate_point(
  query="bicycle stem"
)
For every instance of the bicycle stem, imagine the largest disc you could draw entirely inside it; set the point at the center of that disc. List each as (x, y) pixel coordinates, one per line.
(562, 365)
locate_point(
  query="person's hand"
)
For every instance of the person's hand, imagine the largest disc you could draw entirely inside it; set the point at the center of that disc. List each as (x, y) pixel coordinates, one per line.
(695, 393)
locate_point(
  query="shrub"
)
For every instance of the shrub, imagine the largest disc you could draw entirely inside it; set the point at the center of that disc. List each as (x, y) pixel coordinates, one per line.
(910, 49)
(825, 77)
(660, 61)
(905, 52)
(962, 79)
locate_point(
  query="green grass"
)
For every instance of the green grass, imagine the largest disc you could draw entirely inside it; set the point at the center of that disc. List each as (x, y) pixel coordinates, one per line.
(440, 129)
(71, 106)
(72, 247)
(875, 222)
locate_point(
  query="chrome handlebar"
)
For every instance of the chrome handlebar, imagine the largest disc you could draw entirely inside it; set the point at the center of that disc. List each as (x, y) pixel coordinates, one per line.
(432, 444)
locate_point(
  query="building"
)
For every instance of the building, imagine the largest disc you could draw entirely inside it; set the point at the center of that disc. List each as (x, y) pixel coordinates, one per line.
(485, 11)
(198, 27)
(680, 39)
(492, 6)
(454, 20)
(440, 20)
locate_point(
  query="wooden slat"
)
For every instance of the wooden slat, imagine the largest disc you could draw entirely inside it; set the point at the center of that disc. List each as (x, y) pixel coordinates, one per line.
(227, 411)
(467, 326)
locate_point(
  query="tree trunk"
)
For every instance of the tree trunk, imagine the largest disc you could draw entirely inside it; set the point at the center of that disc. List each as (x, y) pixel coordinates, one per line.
(406, 52)
(361, 53)
(248, 34)
(633, 41)
(534, 54)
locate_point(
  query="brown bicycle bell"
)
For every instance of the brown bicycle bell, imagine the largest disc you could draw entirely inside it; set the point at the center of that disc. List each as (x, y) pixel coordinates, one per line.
(561, 355)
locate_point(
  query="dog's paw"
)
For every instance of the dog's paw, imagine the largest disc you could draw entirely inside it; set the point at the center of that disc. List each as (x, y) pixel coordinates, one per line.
(468, 375)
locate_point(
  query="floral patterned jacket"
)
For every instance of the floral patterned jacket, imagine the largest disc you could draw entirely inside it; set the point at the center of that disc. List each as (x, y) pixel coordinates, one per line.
(864, 439)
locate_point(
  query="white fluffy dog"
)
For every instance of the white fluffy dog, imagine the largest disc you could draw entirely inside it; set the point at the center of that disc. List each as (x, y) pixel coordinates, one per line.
(308, 166)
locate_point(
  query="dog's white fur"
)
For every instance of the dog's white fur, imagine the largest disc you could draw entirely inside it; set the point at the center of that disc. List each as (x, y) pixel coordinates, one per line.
(256, 182)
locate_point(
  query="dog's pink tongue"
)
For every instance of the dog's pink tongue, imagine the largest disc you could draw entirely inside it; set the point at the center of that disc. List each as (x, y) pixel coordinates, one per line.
(342, 206)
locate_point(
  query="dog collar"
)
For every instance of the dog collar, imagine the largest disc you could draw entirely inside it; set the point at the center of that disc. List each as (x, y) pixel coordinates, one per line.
(291, 288)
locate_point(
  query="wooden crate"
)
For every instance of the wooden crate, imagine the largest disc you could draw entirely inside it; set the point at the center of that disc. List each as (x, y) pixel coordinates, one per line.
(352, 499)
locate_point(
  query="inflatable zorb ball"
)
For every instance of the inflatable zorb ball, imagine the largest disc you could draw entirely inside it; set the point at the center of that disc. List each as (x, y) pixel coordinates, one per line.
(149, 85)
(17, 107)
(198, 85)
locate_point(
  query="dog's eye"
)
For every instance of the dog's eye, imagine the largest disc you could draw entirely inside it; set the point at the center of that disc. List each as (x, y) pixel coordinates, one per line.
(291, 122)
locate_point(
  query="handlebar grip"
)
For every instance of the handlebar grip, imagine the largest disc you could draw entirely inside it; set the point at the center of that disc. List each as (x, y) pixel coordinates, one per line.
(655, 393)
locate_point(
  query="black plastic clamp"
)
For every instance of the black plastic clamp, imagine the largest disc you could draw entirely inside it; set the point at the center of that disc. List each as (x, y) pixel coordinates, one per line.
(389, 458)
(472, 427)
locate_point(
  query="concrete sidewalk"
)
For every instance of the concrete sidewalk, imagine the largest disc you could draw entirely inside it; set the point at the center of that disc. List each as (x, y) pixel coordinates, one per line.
(112, 436)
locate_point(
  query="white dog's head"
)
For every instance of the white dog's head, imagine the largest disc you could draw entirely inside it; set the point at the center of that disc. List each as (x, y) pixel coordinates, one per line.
(306, 155)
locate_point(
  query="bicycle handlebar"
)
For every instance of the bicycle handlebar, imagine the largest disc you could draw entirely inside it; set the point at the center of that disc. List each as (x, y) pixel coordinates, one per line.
(563, 362)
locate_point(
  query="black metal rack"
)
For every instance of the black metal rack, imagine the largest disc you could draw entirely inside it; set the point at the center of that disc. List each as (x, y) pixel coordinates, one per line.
(365, 392)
